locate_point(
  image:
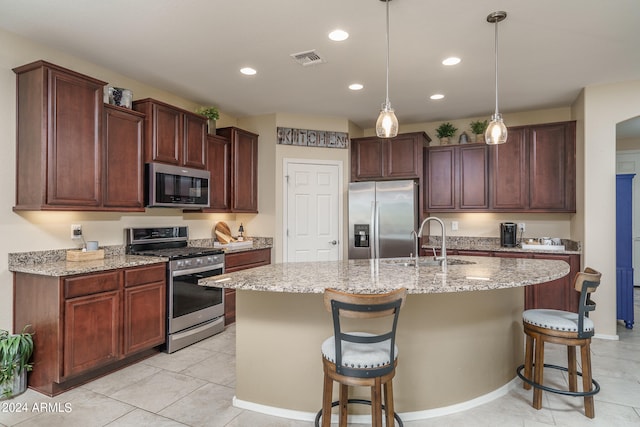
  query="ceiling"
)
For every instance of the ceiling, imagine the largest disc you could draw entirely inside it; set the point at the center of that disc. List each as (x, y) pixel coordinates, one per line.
(548, 51)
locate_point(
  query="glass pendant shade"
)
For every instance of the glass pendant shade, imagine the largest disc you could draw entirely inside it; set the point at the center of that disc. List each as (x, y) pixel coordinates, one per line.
(496, 132)
(387, 123)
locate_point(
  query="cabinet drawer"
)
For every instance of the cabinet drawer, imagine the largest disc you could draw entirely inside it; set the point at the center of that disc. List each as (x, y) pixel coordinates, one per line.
(143, 275)
(91, 284)
(249, 259)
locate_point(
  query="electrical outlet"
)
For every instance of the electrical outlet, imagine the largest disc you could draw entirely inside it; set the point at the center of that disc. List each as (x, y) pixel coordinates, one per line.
(454, 225)
(521, 227)
(76, 231)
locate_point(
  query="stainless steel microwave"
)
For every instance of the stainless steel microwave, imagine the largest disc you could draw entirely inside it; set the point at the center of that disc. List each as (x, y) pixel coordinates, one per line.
(176, 187)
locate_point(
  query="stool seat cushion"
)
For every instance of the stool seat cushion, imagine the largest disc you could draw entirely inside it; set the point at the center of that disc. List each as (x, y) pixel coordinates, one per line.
(557, 320)
(356, 355)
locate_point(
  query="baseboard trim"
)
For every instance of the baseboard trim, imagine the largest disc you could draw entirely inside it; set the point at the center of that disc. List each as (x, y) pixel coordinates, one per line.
(365, 419)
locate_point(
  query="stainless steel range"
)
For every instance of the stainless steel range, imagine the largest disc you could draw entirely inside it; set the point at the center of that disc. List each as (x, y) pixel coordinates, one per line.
(193, 312)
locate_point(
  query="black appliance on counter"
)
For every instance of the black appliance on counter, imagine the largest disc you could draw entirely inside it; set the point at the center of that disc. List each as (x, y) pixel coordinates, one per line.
(508, 234)
(194, 312)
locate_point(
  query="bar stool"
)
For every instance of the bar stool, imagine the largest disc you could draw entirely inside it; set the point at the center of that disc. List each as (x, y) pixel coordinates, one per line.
(361, 358)
(566, 328)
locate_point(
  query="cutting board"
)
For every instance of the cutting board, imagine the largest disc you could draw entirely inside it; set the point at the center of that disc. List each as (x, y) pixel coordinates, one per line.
(223, 233)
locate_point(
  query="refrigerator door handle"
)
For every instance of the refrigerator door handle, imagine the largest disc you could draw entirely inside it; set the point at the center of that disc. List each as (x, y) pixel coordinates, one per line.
(377, 228)
(373, 237)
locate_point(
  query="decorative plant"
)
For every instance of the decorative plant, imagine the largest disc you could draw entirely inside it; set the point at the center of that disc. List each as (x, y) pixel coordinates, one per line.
(478, 127)
(210, 113)
(446, 130)
(15, 352)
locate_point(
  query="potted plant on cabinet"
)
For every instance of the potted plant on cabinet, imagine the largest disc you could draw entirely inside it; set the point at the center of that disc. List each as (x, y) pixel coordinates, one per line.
(212, 114)
(478, 127)
(445, 131)
(15, 352)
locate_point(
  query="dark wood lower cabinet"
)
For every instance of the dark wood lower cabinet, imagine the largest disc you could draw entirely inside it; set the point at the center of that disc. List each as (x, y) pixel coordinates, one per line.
(91, 324)
(236, 262)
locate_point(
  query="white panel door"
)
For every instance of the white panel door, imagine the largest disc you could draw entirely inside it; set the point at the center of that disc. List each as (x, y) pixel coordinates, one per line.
(629, 162)
(313, 218)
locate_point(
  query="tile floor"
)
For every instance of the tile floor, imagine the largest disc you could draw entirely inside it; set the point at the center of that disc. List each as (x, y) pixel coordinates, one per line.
(181, 390)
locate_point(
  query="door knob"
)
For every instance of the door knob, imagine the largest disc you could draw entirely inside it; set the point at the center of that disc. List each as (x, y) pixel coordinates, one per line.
(334, 242)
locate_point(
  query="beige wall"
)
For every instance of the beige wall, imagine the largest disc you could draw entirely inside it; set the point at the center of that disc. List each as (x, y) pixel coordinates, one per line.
(604, 107)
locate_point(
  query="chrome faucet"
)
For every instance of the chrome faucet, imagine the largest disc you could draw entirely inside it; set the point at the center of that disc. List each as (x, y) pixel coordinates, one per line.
(443, 250)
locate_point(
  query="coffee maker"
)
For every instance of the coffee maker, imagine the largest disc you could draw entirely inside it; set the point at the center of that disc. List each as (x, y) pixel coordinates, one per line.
(508, 234)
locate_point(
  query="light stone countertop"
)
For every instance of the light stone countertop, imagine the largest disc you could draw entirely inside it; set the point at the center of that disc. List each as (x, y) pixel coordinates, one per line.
(70, 268)
(464, 273)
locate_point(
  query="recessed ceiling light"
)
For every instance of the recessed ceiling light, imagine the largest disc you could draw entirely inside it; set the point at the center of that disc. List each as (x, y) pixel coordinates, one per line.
(355, 86)
(248, 71)
(437, 96)
(338, 35)
(452, 60)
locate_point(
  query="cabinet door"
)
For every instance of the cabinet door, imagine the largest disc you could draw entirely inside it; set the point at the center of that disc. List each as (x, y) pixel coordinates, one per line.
(402, 157)
(440, 177)
(75, 110)
(244, 183)
(91, 332)
(509, 172)
(473, 180)
(219, 165)
(144, 316)
(367, 159)
(194, 142)
(166, 138)
(552, 167)
(123, 184)
(558, 294)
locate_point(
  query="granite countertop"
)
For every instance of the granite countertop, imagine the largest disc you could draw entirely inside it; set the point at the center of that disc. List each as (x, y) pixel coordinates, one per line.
(258, 243)
(69, 268)
(54, 263)
(464, 273)
(492, 244)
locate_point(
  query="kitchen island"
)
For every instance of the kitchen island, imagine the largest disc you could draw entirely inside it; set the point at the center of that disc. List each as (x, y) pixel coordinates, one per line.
(459, 334)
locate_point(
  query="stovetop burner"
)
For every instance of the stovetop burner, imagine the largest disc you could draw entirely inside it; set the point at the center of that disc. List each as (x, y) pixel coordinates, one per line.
(179, 253)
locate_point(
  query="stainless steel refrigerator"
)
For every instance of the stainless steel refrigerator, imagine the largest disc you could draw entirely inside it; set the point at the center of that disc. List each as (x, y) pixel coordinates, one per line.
(382, 215)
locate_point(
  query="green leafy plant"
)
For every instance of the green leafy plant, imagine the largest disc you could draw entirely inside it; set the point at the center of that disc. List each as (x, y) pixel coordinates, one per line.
(446, 130)
(478, 127)
(15, 352)
(210, 113)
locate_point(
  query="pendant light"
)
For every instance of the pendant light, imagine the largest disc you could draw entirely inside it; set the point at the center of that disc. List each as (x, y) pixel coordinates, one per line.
(387, 123)
(496, 132)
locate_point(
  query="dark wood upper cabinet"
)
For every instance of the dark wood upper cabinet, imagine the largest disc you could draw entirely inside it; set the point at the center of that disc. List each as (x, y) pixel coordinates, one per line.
(59, 114)
(374, 158)
(219, 165)
(456, 178)
(172, 135)
(244, 169)
(123, 166)
(535, 171)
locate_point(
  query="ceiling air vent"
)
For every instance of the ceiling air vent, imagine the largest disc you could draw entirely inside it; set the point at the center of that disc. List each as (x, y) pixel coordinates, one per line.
(310, 57)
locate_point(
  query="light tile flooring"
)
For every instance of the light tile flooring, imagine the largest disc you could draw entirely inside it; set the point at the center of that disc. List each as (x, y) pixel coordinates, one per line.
(183, 389)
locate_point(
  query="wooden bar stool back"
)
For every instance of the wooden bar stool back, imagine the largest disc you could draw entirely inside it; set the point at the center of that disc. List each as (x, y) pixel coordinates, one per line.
(361, 358)
(566, 328)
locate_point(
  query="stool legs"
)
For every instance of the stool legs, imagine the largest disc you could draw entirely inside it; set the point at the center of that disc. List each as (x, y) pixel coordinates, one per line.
(376, 403)
(327, 397)
(538, 373)
(585, 355)
(572, 368)
(528, 361)
(388, 404)
(344, 397)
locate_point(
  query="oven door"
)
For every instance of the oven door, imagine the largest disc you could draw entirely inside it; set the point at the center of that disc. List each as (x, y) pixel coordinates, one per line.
(191, 304)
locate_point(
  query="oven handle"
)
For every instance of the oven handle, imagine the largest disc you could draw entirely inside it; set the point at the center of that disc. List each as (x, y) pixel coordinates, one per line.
(198, 270)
